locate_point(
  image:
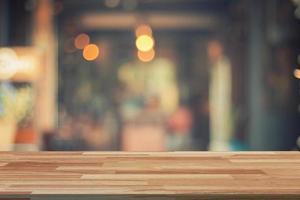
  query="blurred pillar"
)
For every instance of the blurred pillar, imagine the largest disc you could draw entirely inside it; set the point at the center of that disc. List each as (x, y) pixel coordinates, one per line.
(44, 39)
(256, 69)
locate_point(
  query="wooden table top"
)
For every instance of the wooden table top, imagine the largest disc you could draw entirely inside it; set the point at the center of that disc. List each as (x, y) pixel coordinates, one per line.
(205, 175)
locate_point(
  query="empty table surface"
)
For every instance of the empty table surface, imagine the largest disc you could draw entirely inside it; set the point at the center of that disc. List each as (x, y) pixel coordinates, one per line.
(144, 175)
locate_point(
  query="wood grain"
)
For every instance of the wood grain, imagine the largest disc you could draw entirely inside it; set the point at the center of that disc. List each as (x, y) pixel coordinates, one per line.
(160, 175)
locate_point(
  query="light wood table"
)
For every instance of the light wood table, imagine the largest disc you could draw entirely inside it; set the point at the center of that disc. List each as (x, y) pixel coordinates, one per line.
(147, 175)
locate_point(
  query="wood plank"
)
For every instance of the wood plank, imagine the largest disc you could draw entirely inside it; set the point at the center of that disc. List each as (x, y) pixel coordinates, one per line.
(154, 175)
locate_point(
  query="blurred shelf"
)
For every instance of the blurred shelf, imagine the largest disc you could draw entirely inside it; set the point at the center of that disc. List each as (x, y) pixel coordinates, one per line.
(150, 175)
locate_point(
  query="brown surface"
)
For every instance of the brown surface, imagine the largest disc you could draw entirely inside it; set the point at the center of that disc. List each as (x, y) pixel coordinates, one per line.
(182, 174)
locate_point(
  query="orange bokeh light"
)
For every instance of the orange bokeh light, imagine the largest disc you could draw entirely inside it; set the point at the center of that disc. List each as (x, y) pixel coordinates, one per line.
(146, 56)
(81, 41)
(90, 52)
(143, 29)
(297, 73)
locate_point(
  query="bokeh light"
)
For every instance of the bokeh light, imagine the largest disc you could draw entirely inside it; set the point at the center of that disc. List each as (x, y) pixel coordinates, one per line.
(146, 56)
(8, 63)
(297, 73)
(143, 29)
(90, 52)
(144, 43)
(81, 41)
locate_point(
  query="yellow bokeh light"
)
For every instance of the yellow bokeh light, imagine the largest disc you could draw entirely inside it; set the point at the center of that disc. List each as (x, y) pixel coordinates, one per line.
(297, 73)
(143, 30)
(81, 41)
(146, 56)
(90, 52)
(9, 63)
(144, 43)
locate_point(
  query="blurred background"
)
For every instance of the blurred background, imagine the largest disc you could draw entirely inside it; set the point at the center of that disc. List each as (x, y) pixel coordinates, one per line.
(149, 75)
